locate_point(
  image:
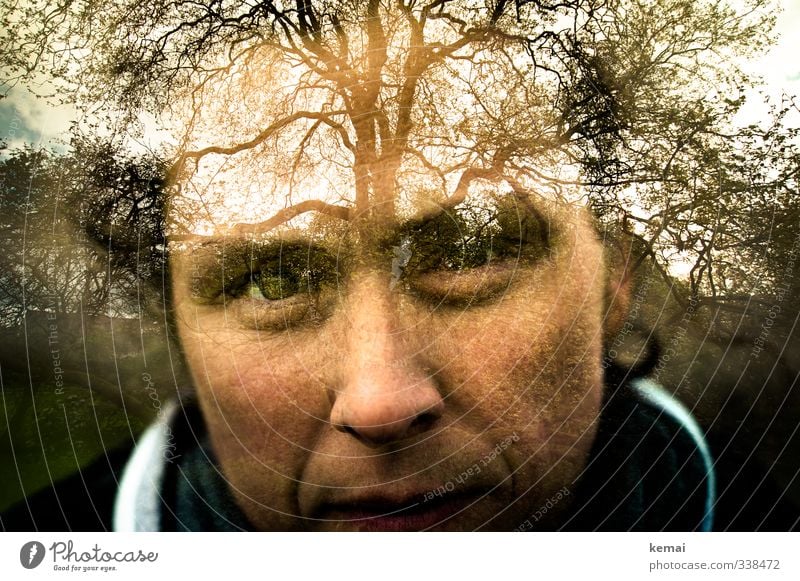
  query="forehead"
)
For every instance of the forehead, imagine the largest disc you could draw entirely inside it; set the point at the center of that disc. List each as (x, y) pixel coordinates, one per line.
(311, 221)
(269, 140)
(239, 199)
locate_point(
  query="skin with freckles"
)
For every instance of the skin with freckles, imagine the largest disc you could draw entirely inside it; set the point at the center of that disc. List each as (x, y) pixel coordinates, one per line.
(343, 402)
(392, 314)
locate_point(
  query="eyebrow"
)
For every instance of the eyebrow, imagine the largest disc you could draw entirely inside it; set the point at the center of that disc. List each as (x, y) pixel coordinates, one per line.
(219, 265)
(525, 206)
(245, 253)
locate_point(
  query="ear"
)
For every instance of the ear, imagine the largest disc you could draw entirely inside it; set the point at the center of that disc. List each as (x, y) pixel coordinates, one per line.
(619, 284)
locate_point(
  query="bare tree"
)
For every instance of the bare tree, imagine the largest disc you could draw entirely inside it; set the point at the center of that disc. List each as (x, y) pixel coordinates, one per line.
(630, 105)
(614, 100)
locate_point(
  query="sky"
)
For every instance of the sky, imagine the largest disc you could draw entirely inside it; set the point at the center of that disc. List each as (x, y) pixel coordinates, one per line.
(781, 66)
(26, 119)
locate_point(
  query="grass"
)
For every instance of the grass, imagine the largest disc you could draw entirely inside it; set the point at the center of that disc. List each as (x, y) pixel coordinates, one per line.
(46, 436)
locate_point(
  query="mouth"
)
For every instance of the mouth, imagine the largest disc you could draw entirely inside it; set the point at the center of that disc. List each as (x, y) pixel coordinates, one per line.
(416, 513)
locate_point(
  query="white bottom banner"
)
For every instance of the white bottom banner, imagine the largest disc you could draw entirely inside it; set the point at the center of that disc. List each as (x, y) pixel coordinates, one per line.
(406, 556)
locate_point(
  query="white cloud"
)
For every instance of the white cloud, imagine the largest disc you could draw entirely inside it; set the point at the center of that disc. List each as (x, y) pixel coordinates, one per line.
(34, 119)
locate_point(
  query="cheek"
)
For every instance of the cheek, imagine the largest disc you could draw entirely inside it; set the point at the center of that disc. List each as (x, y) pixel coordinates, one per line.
(264, 408)
(530, 366)
(540, 345)
(541, 370)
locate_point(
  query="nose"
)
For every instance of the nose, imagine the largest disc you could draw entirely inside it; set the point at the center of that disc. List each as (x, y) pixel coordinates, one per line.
(386, 393)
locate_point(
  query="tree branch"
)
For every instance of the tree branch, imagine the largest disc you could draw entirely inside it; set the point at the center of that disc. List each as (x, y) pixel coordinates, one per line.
(287, 214)
(260, 138)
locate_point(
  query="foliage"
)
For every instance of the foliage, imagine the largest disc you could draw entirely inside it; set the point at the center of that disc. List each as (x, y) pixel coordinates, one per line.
(630, 104)
(81, 232)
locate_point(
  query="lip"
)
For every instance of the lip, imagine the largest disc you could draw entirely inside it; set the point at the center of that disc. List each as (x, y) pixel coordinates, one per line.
(376, 514)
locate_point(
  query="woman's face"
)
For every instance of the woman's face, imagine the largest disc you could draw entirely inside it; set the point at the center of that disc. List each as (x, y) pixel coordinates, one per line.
(442, 372)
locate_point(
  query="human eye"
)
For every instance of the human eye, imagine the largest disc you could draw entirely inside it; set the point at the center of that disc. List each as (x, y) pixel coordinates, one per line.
(274, 286)
(472, 253)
